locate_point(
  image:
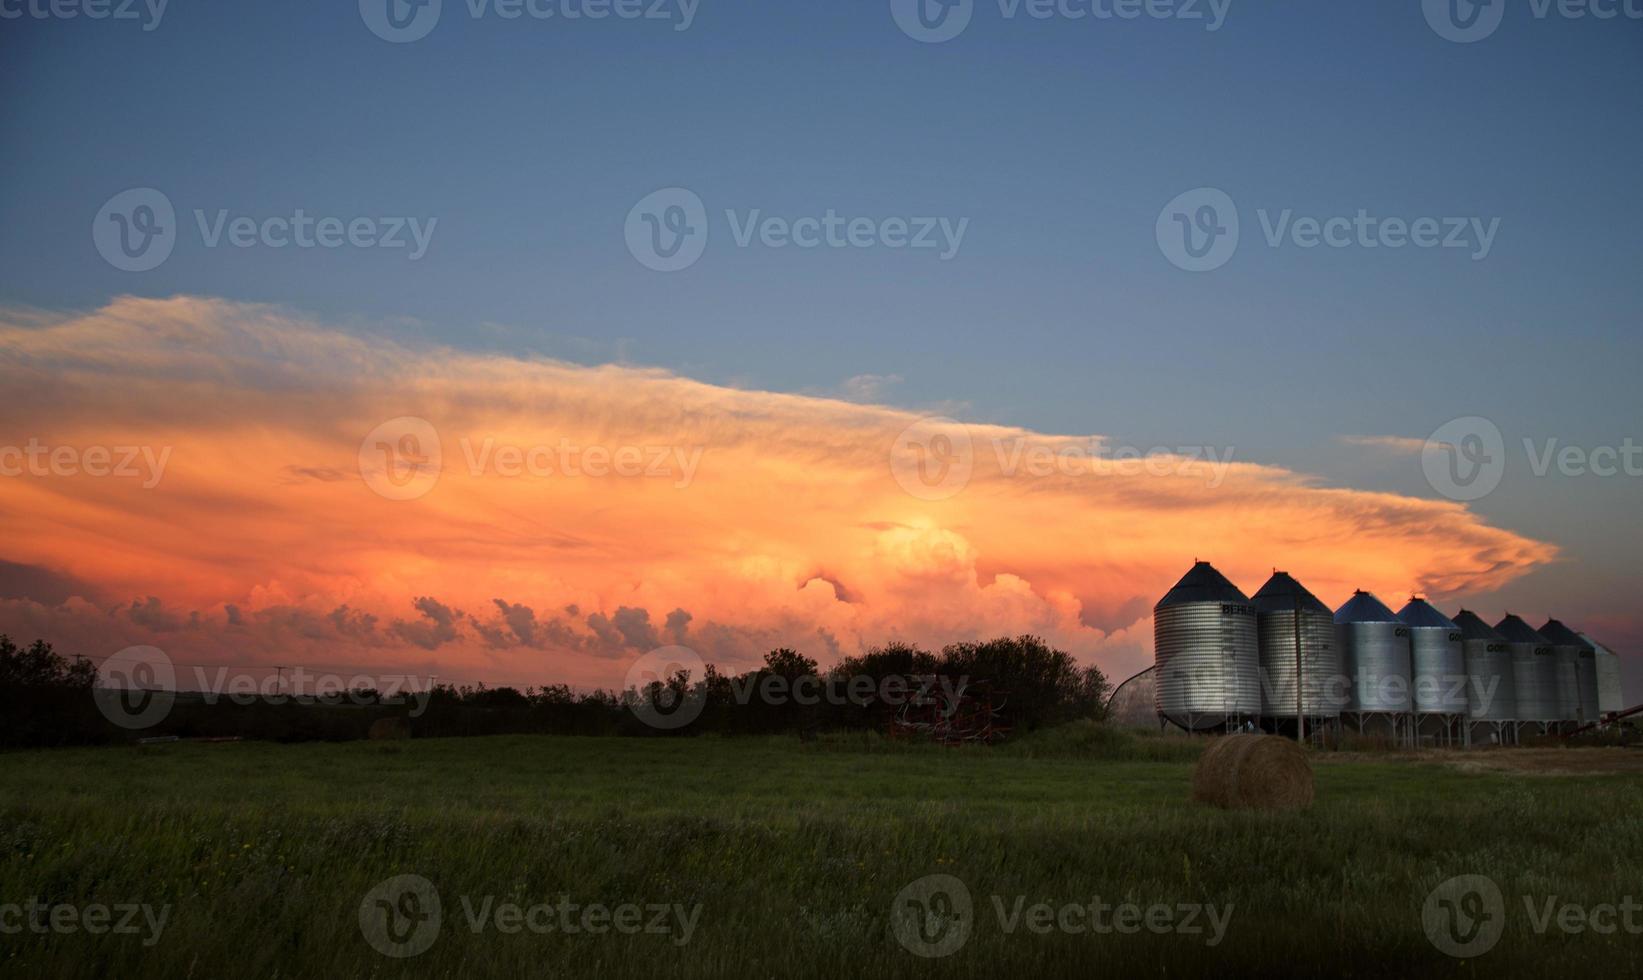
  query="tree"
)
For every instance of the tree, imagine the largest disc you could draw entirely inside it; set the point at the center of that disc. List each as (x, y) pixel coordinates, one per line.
(1043, 686)
(789, 663)
(41, 666)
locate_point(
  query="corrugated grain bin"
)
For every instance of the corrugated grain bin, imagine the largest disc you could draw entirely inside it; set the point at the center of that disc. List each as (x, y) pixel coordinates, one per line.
(1279, 605)
(1610, 693)
(1374, 655)
(1534, 671)
(1437, 661)
(1206, 651)
(1491, 694)
(1572, 648)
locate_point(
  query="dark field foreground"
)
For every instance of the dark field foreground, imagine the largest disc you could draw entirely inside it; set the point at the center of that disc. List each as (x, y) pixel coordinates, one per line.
(774, 858)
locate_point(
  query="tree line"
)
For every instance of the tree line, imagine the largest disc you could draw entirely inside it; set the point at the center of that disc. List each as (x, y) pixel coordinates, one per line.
(48, 699)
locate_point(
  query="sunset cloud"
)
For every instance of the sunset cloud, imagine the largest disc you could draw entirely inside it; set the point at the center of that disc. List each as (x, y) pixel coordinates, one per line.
(554, 520)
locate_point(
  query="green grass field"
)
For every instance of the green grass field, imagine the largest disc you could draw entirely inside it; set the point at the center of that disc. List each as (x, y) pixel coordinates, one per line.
(794, 852)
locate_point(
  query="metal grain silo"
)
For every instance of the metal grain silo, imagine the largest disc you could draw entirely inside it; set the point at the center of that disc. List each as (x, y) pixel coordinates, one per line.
(1610, 694)
(1491, 694)
(1206, 652)
(1437, 661)
(1375, 656)
(1572, 649)
(1534, 672)
(1280, 605)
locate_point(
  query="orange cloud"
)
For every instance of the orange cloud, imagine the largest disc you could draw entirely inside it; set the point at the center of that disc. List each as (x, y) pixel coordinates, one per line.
(574, 516)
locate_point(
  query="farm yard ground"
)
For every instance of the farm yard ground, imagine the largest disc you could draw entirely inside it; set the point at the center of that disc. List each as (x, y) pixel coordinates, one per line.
(779, 857)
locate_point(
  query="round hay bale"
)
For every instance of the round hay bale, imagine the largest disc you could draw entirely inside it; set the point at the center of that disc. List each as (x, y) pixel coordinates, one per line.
(390, 729)
(1257, 772)
(1209, 779)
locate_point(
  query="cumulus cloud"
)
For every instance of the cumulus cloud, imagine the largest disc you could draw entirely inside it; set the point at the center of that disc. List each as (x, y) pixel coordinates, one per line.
(152, 614)
(437, 626)
(521, 620)
(585, 513)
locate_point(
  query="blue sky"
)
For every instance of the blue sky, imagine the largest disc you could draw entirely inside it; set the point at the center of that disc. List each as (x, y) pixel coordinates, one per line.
(1058, 140)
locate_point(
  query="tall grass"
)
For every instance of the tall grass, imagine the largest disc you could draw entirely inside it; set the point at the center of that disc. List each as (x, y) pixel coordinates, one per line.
(794, 851)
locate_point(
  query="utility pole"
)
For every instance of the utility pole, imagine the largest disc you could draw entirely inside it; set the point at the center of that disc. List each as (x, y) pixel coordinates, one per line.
(1300, 678)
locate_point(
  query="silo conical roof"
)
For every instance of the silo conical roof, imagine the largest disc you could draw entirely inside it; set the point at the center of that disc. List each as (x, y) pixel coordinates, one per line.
(1474, 628)
(1600, 648)
(1560, 635)
(1363, 607)
(1517, 631)
(1420, 614)
(1202, 584)
(1279, 595)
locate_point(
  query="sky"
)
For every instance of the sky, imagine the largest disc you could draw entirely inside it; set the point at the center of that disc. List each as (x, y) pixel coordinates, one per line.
(520, 177)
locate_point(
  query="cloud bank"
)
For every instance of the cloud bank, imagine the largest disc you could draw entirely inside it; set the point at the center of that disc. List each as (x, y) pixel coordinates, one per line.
(573, 517)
